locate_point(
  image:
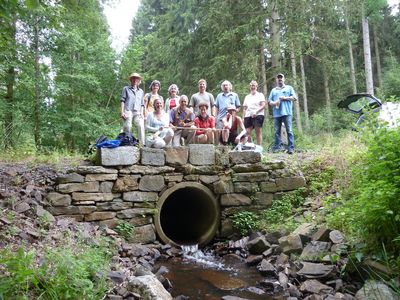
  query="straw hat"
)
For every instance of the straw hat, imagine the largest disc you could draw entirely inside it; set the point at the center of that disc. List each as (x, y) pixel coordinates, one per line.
(137, 75)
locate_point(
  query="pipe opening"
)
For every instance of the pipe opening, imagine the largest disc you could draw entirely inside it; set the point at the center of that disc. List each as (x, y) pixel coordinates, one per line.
(188, 214)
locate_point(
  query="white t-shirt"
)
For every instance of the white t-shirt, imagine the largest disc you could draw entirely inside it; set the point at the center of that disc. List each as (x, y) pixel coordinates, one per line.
(253, 104)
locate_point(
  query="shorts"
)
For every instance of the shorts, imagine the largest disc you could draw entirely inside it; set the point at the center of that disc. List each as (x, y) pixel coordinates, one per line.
(256, 122)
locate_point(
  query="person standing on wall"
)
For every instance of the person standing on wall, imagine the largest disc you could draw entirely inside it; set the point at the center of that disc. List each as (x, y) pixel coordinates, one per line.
(224, 99)
(173, 99)
(281, 99)
(149, 98)
(253, 111)
(132, 106)
(202, 96)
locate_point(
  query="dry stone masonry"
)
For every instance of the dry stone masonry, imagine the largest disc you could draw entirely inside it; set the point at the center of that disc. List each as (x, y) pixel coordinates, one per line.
(129, 181)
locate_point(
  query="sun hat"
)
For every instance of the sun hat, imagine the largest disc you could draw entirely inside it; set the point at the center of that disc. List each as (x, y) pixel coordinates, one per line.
(137, 75)
(280, 75)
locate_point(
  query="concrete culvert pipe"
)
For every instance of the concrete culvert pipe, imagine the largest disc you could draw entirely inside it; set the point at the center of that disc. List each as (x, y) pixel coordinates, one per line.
(188, 214)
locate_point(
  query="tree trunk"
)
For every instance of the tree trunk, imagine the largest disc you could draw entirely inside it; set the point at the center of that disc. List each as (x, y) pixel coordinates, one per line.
(305, 101)
(327, 98)
(377, 57)
(296, 103)
(369, 83)
(37, 85)
(351, 58)
(263, 71)
(275, 38)
(9, 96)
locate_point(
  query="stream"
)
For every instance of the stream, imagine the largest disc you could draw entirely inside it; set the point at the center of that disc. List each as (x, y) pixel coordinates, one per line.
(203, 276)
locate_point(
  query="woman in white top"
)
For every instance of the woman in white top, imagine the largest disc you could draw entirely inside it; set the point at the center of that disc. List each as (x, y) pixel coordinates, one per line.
(253, 109)
(157, 126)
(173, 100)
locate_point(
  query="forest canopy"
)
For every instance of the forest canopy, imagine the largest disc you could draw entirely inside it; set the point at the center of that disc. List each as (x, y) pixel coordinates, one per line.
(61, 79)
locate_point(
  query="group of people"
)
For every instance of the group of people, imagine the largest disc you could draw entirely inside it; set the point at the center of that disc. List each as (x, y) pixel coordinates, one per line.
(202, 119)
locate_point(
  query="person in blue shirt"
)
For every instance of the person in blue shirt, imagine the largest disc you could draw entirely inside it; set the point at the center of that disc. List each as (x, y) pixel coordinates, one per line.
(224, 99)
(281, 99)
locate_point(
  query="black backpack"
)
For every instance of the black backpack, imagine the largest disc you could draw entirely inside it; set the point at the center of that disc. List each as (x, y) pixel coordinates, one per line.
(127, 139)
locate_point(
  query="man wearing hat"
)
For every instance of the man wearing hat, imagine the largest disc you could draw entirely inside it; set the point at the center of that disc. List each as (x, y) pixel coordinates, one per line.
(205, 135)
(132, 106)
(281, 99)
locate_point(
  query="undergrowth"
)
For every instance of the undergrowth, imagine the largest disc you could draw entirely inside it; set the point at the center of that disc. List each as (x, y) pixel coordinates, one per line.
(69, 272)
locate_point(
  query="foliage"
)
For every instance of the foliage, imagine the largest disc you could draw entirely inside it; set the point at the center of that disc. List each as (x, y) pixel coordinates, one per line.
(245, 221)
(125, 229)
(372, 212)
(62, 273)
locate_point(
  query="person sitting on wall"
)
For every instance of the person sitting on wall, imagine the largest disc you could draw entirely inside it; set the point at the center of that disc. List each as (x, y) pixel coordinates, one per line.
(181, 119)
(203, 120)
(230, 125)
(157, 125)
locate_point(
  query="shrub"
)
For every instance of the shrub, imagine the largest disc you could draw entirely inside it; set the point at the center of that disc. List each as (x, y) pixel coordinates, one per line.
(125, 229)
(61, 273)
(245, 221)
(373, 211)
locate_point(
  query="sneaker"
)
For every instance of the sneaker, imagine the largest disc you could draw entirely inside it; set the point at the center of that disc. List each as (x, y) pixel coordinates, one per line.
(290, 152)
(182, 141)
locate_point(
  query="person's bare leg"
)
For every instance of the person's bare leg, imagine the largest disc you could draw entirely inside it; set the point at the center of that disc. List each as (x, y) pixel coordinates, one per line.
(258, 135)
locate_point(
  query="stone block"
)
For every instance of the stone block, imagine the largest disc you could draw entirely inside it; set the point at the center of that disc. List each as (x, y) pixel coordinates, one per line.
(115, 205)
(151, 183)
(244, 157)
(77, 218)
(140, 196)
(290, 183)
(234, 200)
(174, 177)
(291, 244)
(245, 187)
(57, 199)
(147, 170)
(69, 178)
(176, 156)
(87, 187)
(141, 220)
(192, 177)
(71, 210)
(251, 177)
(135, 212)
(153, 157)
(268, 187)
(258, 167)
(119, 156)
(95, 170)
(144, 234)
(106, 187)
(92, 196)
(222, 155)
(100, 215)
(101, 177)
(223, 186)
(126, 183)
(201, 154)
(208, 179)
(264, 199)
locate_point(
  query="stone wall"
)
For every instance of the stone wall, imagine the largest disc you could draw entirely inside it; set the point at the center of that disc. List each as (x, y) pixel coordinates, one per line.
(128, 182)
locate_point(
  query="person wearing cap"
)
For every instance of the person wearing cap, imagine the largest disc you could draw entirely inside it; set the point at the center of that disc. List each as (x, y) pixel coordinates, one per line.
(224, 99)
(207, 124)
(132, 106)
(201, 96)
(231, 124)
(173, 99)
(149, 98)
(157, 126)
(281, 99)
(253, 110)
(181, 119)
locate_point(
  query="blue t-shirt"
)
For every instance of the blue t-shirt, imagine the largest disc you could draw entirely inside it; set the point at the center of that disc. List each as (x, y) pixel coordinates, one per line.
(224, 100)
(286, 106)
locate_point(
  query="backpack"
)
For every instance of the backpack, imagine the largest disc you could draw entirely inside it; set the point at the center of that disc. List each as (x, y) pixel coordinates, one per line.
(127, 139)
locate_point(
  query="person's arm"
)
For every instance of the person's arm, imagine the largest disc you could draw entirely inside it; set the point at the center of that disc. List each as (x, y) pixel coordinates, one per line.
(271, 102)
(191, 120)
(123, 100)
(262, 107)
(237, 103)
(245, 107)
(212, 105)
(150, 123)
(241, 125)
